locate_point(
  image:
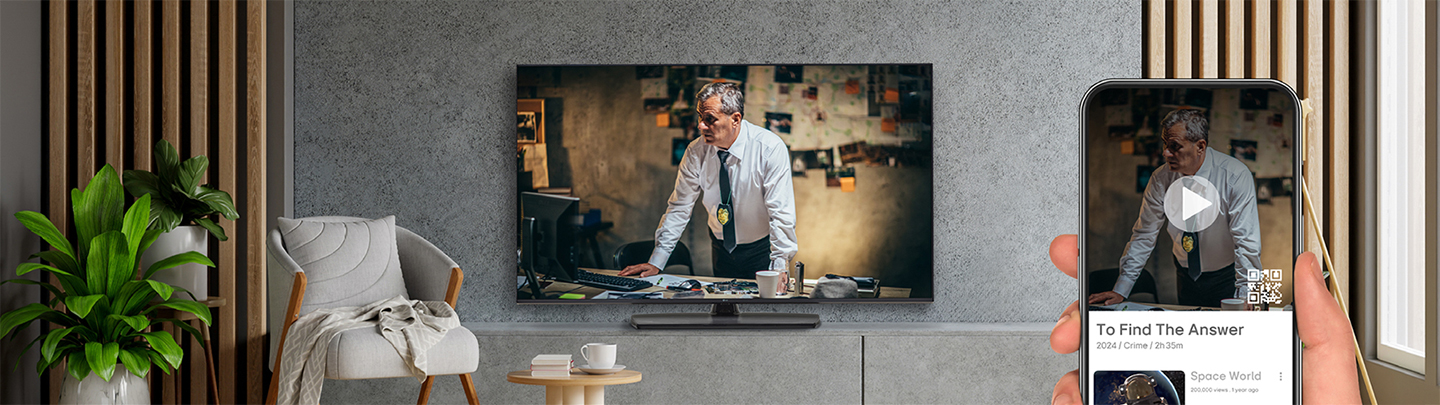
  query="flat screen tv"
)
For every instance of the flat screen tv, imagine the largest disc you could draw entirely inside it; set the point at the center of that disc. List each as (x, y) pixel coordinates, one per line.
(707, 184)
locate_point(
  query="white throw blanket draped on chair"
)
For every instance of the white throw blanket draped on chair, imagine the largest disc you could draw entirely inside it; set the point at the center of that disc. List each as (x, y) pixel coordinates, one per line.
(412, 326)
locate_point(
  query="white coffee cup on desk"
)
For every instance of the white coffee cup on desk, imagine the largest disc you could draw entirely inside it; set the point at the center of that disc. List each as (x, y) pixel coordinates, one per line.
(1232, 304)
(598, 355)
(768, 282)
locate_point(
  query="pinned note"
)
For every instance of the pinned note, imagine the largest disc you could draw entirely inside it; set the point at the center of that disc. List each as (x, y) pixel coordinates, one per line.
(892, 95)
(847, 184)
(1127, 147)
(662, 120)
(852, 86)
(887, 125)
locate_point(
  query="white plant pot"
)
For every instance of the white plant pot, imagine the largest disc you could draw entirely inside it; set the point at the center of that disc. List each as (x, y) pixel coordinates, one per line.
(191, 276)
(123, 388)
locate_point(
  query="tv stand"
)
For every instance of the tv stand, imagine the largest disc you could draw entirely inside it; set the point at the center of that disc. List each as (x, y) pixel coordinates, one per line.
(725, 316)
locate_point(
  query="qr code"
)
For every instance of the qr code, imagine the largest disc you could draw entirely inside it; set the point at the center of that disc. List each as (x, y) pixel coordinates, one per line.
(1264, 286)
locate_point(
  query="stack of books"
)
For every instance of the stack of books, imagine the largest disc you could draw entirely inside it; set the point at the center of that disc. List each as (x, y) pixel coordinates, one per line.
(551, 365)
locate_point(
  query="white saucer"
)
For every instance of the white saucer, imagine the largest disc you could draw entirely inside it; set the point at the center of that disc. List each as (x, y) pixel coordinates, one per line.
(612, 370)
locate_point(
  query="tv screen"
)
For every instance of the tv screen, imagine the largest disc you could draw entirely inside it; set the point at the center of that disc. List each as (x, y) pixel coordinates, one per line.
(723, 183)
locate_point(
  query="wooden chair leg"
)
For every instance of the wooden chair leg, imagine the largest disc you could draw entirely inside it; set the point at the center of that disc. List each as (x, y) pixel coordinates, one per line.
(469, 386)
(425, 390)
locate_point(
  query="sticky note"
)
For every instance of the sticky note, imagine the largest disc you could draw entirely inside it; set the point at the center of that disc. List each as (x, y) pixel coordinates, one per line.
(1127, 147)
(847, 184)
(662, 120)
(892, 95)
(887, 125)
(852, 86)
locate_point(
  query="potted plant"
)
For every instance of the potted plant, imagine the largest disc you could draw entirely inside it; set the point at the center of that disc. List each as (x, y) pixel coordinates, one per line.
(178, 200)
(107, 308)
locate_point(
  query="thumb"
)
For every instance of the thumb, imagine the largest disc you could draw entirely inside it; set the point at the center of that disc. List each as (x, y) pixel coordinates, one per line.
(1329, 342)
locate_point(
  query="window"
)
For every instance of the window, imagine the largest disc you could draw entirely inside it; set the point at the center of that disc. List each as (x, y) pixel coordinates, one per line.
(1401, 176)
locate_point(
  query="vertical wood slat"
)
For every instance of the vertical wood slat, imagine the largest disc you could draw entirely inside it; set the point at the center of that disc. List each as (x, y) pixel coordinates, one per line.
(255, 199)
(1234, 39)
(1155, 39)
(144, 142)
(1180, 40)
(1260, 40)
(1314, 89)
(115, 84)
(1209, 39)
(169, 382)
(1338, 109)
(199, 137)
(85, 91)
(170, 72)
(226, 168)
(1285, 53)
(59, 145)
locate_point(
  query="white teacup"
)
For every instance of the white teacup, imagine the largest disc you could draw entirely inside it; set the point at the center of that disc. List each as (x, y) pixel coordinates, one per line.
(1232, 304)
(598, 355)
(768, 282)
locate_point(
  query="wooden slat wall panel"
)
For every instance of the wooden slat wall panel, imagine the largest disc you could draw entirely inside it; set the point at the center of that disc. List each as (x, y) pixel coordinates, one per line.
(225, 163)
(1306, 46)
(1285, 40)
(92, 61)
(170, 67)
(59, 164)
(144, 141)
(1260, 39)
(1155, 16)
(1209, 39)
(1337, 107)
(114, 83)
(255, 203)
(85, 91)
(1182, 35)
(199, 137)
(1234, 39)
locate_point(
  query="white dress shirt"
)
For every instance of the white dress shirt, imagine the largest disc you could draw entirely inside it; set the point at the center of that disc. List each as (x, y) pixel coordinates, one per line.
(762, 200)
(1234, 237)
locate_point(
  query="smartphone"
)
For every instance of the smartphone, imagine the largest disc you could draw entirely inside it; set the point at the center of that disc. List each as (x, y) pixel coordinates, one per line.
(1191, 223)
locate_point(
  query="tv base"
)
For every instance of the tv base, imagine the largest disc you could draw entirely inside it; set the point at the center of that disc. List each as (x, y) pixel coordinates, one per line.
(725, 316)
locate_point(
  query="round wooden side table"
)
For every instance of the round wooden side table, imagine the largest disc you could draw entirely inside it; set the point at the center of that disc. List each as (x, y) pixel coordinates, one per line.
(579, 388)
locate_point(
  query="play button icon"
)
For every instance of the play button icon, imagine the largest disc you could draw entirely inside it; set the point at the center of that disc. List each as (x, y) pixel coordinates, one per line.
(1190, 203)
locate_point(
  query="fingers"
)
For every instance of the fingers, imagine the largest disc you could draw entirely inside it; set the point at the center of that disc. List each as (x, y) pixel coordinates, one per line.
(1329, 346)
(1067, 390)
(1065, 253)
(630, 270)
(1065, 338)
(1097, 298)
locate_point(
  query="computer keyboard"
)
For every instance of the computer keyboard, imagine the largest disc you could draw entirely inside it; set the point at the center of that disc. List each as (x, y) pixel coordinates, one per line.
(611, 282)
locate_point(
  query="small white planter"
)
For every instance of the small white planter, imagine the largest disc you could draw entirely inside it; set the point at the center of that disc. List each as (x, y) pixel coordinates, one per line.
(191, 276)
(123, 388)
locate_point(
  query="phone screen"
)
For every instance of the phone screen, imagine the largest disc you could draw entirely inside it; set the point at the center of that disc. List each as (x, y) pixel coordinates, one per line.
(1190, 209)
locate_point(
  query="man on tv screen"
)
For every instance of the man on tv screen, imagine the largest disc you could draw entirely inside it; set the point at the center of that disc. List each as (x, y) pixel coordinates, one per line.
(744, 171)
(1212, 258)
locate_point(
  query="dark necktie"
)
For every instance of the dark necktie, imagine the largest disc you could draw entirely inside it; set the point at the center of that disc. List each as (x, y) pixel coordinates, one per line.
(1191, 242)
(727, 212)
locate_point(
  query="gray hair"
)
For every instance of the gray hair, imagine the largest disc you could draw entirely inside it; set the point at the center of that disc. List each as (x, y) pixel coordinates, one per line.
(1196, 126)
(732, 100)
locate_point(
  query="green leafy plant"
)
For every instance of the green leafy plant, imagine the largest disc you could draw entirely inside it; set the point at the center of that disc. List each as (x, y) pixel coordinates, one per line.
(107, 309)
(177, 197)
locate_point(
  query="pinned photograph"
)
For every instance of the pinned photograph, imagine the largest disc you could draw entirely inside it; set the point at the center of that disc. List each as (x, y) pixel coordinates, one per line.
(1243, 149)
(812, 93)
(526, 125)
(1254, 99)
(657, 105)
(649, 72)
(1277, 120)
(789, 73)
(778, 122)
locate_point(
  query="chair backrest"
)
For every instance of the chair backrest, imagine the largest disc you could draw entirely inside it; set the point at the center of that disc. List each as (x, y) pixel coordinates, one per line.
(1104, 280)
(639, 252)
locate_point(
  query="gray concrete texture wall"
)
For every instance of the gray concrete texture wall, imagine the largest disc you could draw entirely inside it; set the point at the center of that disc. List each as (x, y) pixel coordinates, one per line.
(404, 108)
(603, 145)
(22, 41)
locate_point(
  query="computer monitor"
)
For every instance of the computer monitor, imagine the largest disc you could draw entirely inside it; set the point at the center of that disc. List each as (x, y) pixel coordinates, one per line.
(547, 243)
(846, 185)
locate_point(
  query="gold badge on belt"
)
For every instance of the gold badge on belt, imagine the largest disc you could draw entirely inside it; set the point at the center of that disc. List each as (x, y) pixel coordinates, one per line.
(723, 215)
(1188, 242)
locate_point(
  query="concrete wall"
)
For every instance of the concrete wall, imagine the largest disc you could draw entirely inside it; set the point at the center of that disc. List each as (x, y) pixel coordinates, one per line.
(22, 74)
(404, 108)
